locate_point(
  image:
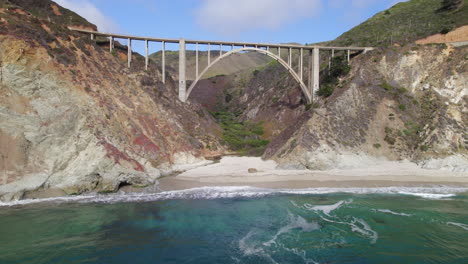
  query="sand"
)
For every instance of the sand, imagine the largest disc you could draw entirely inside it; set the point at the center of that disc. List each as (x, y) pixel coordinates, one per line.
(233, 171)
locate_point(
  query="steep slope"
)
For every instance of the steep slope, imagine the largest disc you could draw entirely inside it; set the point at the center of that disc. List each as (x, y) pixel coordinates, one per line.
(404, 104)
(75, 119)
(397, 102)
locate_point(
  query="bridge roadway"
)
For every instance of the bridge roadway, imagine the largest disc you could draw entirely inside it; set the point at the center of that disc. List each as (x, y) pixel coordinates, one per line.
(313, 53)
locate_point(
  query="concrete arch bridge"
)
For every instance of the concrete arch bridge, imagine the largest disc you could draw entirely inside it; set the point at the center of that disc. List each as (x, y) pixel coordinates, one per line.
(312, 53)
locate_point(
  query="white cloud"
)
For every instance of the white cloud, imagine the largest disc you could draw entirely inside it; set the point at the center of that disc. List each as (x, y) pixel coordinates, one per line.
(89, 11)
(230, 17)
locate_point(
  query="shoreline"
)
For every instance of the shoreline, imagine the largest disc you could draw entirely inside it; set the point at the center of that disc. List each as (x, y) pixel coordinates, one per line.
(254, 172)
(175, 184)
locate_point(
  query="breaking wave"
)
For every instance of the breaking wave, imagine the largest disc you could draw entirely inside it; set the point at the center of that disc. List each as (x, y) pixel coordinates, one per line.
(243, 191)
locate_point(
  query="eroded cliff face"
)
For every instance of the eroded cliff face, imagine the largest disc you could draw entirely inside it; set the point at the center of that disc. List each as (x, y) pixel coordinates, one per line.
(75, 119)
(398, 103)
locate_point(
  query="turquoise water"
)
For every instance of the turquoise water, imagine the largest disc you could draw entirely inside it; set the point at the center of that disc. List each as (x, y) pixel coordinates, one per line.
(238, 225)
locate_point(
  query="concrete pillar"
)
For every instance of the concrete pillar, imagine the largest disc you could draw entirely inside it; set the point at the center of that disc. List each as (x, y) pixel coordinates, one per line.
(92, 36)
(196, 61)
(268, 48)
(316, 71)
(310, 76)
(331, 58)
(209, 55)
(279, 52)
(182, 79)
(290, 57)
(163, 49)
(111, 43)
(348, 56)
(146, 55)
(232, 46)
(220, 50)
(301, 68)
(129, 53)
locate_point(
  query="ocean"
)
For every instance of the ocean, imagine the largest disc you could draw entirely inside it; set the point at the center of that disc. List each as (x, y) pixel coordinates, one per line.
(241, 225)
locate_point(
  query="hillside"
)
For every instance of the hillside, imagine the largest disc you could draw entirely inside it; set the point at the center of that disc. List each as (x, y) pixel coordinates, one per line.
(406, 22)
(74, 118)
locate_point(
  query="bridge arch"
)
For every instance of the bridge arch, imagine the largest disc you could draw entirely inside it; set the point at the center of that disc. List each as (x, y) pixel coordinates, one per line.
(295, 75)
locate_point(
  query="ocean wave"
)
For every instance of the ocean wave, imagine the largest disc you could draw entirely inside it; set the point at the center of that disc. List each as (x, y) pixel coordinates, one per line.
(464, 226)
(391, 212)
(241, 191)
(429, 195)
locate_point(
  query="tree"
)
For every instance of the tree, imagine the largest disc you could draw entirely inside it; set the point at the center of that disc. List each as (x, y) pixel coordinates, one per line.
(450, 5)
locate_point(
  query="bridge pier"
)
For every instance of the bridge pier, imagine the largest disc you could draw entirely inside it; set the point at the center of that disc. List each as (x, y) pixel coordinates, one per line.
(196, 60)
(129, 52)
(315, 71)
(163, 61)
(111, 44)
(182, 77)
(146, 54)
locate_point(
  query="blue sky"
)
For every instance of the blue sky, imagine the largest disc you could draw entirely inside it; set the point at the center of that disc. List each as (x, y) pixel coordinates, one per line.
(272, 21)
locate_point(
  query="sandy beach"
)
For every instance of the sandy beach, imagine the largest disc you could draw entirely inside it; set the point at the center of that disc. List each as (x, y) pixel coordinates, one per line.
(234, 171)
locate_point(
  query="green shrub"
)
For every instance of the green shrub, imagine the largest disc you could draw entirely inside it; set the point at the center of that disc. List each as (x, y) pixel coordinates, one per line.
(377, 146)
(242, 137)
(402, 107)
(386, 86)
(325, 90)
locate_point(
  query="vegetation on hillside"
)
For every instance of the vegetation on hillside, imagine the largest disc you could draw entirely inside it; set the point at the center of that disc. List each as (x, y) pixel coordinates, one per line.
(339, 67)
(406, 22)
(242, 137)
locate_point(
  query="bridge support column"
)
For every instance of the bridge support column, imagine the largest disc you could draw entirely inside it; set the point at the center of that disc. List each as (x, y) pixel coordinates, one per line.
(146, 55)
(348, 56)
(129, 53)
(163, 49)
(209, 54)
(310, 75)
(314, 78)
(111, 44)
(196, 61)
(301, 67)
(182, 79)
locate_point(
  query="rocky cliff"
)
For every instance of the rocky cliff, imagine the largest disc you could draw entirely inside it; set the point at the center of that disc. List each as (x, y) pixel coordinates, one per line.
(75, 119)
(398, 103)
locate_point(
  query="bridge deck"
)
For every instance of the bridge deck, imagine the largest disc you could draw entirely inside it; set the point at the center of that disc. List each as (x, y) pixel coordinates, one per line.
(312, 52)
(215, 42)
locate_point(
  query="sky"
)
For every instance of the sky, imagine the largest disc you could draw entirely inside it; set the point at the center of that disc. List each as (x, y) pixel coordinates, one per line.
(270, 21)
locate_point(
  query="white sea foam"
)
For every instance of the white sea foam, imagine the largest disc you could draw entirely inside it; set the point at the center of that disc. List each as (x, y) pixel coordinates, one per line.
(360, 226)
(294, 222)
(429, 195)
(326, 209)
(464, 226)
(391, 212)
(253, 247)
(241, 191)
